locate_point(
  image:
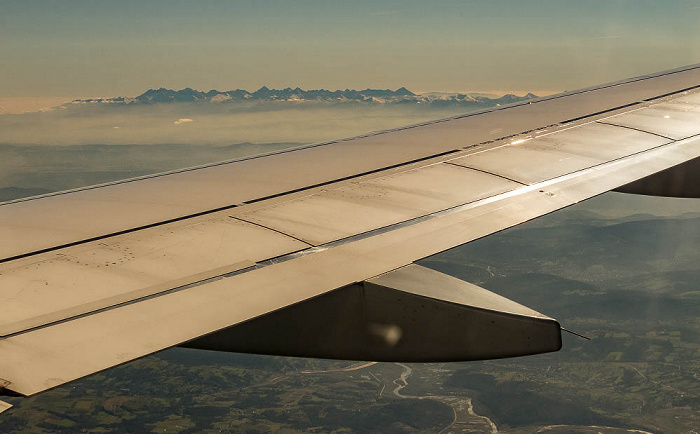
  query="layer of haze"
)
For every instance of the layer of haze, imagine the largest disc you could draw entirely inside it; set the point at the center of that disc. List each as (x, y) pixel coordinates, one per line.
(82, 144)
(100, 48)
(207, 123)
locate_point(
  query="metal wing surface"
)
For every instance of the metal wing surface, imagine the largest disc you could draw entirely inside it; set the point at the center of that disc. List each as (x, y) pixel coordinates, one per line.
(309, 251)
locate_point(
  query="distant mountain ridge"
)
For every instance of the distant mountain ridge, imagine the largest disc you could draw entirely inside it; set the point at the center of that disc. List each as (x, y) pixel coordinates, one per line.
(376, 96)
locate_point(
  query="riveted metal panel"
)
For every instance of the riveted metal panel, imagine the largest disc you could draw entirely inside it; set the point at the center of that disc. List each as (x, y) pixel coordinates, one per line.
(360, 207)
(676, 120)
(535, 159)
(57, 285)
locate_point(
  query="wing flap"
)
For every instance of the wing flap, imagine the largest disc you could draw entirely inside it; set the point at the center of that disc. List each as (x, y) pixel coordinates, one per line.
(674, 120)
(544, 155)
(348, 210)
(54, 286)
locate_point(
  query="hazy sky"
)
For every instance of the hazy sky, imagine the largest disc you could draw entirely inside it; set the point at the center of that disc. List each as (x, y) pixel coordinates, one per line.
(109, 48)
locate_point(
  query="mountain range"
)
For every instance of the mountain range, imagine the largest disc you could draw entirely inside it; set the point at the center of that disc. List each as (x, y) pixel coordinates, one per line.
(374, 96)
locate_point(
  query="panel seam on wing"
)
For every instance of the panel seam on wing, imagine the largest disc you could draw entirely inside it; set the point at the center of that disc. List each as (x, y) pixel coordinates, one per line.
(604, 122)
(484, 171)
(271, 229)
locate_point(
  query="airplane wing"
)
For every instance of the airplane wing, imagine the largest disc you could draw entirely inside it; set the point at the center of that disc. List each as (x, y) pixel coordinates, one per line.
(310, 251)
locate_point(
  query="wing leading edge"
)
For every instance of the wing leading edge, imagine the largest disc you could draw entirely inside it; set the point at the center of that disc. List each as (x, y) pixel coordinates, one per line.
(84, 287)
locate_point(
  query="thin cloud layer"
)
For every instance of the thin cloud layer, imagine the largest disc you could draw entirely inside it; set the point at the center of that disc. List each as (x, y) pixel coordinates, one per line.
(205, 124)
